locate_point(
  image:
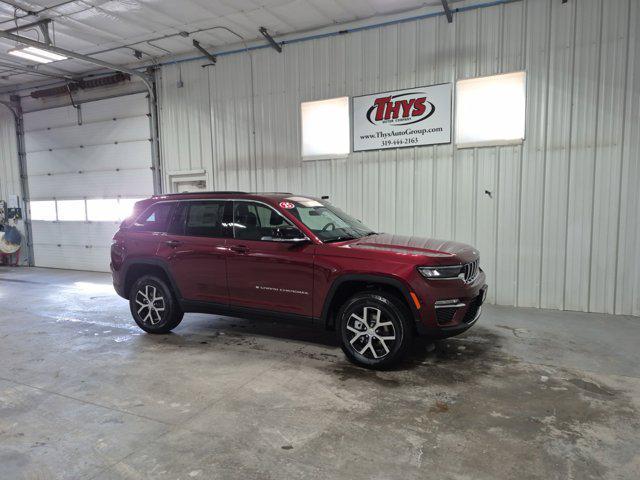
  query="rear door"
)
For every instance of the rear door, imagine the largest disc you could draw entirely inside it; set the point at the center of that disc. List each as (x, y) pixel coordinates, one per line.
(195, 250)
(266, 274)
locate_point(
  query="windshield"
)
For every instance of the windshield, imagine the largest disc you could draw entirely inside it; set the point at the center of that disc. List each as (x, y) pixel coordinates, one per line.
(328, 223)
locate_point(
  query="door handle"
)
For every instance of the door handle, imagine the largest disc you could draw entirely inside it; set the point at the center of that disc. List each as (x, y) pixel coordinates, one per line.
(173, 243)
(239, 248)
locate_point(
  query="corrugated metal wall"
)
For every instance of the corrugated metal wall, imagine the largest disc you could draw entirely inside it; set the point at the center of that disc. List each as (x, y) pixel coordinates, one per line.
(560, 228)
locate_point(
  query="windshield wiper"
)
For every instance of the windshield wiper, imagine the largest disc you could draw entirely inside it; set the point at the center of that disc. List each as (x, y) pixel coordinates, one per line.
(370, 233)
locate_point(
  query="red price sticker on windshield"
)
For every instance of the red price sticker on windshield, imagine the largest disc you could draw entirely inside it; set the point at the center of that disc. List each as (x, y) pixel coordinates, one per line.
(287, 205)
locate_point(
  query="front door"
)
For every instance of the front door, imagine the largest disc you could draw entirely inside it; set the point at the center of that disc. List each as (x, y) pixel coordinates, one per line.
(195, 249)
(263, 273)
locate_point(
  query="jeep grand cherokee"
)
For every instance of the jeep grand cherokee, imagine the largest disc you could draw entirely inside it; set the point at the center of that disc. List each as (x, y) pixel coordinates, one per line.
(279, 255)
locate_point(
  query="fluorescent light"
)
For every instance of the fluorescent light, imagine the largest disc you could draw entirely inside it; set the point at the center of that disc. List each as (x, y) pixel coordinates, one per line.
(36, 54)
(28, 56)
(45, 53)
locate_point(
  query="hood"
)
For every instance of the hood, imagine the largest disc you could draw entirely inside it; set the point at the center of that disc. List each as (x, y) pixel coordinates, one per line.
(444, 250)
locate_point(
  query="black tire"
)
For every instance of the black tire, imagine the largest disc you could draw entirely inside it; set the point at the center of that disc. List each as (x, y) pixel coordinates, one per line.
(370, 341)
(165, 314)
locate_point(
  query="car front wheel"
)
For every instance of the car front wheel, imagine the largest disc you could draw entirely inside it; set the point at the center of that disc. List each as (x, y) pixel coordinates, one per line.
(374, 329)
(153, 305)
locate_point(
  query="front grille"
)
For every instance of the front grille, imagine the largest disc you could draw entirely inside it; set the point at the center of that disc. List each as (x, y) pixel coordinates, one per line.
(470, 270)
(445, 315)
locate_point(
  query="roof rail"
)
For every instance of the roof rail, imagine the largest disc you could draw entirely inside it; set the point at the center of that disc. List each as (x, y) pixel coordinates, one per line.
(226, 192)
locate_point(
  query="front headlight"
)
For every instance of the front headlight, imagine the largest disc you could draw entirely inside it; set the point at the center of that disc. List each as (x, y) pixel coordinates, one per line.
(440, 273)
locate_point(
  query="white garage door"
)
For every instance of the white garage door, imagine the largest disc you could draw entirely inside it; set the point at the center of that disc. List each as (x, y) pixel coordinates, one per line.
(83, 179)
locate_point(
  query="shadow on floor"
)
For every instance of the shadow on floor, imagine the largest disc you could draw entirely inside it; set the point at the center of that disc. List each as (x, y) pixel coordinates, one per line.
(470, 353)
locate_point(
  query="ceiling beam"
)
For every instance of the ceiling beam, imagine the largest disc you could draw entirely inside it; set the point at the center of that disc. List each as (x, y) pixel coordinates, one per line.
(43, 25)
(44, 21)
(31, 13)
(447, 11)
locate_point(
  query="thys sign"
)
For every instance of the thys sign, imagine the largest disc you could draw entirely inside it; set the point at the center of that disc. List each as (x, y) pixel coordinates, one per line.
(402, 118)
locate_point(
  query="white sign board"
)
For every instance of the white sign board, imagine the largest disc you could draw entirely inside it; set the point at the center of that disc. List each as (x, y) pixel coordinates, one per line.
(402, 118)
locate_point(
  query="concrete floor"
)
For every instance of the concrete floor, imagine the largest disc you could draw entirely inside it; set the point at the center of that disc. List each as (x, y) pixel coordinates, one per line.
(524, 394)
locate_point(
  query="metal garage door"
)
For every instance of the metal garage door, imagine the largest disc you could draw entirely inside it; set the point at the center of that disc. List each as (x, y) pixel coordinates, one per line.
(85, 170)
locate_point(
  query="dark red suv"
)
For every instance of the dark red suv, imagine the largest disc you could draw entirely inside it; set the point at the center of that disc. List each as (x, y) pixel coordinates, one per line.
(280, 255)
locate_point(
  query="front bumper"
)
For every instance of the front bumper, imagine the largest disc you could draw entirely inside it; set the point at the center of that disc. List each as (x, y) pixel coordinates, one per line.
(450, 307)
(451, 330)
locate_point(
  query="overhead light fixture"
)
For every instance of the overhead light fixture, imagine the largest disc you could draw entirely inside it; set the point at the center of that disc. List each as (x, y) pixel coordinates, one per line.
(272, 42)
(36, 54)
(202, 50)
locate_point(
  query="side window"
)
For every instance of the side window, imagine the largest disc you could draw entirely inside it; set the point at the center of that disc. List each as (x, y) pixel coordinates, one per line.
(205, 219)
(155, 218)
(254, 221)
(176, 226)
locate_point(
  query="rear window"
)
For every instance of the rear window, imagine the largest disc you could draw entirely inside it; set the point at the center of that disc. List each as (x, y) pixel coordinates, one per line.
(155, 218)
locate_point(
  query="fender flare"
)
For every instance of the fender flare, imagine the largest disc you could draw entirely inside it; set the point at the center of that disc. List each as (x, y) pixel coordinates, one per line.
(379, 279)
(155, 262)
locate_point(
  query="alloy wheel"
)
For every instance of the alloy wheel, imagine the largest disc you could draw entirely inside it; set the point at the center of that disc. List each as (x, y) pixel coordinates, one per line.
(370, 334)
(151, 304)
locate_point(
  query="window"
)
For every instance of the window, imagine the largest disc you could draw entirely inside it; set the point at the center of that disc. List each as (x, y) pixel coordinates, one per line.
(319, 219)
(43, 210)
(109, 209)
(72, 210)
(325, 128)
(125, 207)
(155, 218)
(177, 224)
(97, 209)
(103, 210)
(490, 110)
(328, 223)
(253, 221)
(203, 219)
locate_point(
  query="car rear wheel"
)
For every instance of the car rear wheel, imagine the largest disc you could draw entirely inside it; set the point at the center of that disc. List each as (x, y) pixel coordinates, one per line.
(374, 329)
(153, 305)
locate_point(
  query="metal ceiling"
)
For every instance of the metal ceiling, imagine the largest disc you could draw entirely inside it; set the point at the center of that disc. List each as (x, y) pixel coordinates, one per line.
(126, 32)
